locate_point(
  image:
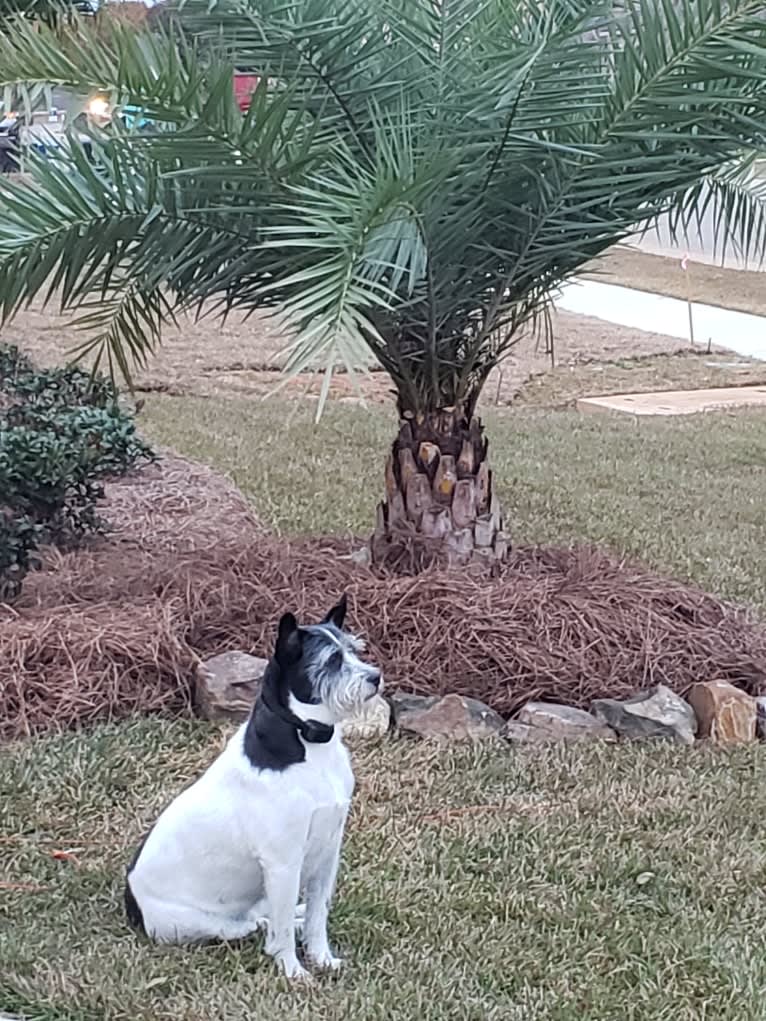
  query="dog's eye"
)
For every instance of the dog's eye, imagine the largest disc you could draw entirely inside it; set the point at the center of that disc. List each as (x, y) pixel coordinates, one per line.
(335, 662)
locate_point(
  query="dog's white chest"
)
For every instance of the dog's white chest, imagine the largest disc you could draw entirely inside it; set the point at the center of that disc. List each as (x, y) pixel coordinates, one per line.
(326, 776)
(326, 782)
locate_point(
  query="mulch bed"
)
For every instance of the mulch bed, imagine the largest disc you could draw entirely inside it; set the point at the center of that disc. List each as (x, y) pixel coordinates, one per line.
(187, 572)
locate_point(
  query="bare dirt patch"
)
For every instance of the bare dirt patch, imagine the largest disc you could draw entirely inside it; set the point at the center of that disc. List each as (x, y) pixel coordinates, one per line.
(563, 386)
(207, 358)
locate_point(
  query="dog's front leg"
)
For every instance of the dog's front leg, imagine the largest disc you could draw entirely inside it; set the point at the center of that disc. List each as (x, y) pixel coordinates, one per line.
(320, 886)
(282, 882)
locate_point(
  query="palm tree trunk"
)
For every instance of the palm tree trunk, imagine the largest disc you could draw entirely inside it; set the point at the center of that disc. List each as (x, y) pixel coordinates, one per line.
(439, 493)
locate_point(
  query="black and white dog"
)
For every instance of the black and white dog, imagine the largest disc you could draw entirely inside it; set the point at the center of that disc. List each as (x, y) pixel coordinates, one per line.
(232, 853)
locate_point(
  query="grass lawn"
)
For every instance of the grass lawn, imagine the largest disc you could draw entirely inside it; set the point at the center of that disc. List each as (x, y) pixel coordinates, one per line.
(686, 494)
(591, 884)
(728, 288)
(564, 885)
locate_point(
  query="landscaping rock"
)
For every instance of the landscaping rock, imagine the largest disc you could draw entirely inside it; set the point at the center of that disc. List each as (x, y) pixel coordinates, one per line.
(523, 733)
(564, 723)
(227, 685)
(402, 702)
(655, 713)
(374, 720)
(724, 713)
(452, 717)
(760, 723)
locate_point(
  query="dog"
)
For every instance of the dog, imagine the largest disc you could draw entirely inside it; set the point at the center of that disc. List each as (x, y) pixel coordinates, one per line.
(232, 853)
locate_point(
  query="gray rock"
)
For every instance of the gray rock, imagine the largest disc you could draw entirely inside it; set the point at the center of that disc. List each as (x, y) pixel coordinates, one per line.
(565, 723)
(226, 686)
(523, 733)
(655, 713)
(373, 720)
(403, 702)
(452, 717)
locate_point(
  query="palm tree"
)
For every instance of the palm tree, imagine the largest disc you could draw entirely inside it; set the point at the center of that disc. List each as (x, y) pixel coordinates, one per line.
(413, 180)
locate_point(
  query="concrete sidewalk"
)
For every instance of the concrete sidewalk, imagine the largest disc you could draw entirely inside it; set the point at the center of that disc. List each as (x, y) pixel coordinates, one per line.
(735, 331)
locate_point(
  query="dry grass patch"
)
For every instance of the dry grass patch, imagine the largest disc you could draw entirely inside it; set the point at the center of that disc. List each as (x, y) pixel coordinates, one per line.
(563, 386)
(738, 289)
(242, 357)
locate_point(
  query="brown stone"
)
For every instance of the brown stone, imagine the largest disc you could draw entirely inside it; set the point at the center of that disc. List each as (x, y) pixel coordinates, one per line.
(565, 723)
(725, 714)
(452, 717)
(227, 686)
(403, 702)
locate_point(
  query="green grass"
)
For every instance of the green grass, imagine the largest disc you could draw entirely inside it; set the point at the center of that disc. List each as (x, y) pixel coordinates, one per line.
(523, 884)
(685, 494)
(564, 884)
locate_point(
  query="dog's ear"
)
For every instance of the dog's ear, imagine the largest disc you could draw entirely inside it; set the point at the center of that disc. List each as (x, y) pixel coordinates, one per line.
(337, 614)
(288, 647)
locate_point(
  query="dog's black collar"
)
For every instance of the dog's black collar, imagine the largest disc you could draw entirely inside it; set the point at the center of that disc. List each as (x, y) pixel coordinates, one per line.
(312, 731)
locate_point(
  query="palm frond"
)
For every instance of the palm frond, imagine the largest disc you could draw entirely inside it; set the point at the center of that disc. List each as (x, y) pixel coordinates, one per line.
(412, 178)
(734, 198)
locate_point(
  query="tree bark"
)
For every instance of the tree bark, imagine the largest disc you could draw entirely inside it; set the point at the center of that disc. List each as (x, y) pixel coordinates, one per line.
(440, 502)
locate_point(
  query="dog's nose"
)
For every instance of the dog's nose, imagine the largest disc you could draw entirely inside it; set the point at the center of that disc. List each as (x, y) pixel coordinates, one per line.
(375, 678)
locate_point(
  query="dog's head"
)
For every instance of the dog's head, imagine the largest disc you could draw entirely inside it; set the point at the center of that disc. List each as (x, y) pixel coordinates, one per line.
(321, 666)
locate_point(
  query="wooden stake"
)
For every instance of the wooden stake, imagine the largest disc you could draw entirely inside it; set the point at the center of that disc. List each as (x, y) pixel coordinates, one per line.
(685, 268)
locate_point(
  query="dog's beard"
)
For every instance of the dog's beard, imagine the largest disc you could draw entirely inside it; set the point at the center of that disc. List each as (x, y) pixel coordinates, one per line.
(344, 697)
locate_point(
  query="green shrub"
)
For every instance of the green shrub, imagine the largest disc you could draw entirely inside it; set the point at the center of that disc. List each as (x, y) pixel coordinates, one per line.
(61, 433)
(52, 387)
(19, 539)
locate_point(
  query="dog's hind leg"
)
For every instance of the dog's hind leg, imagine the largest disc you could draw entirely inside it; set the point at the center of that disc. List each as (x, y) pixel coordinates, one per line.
(178, 923)
(259, 916)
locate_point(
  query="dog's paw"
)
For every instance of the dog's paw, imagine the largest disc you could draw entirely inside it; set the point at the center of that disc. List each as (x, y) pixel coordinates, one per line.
(294, 970)
(325, 961)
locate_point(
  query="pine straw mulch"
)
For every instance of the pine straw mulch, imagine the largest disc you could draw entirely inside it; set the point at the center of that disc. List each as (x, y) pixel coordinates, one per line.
(189, 572)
